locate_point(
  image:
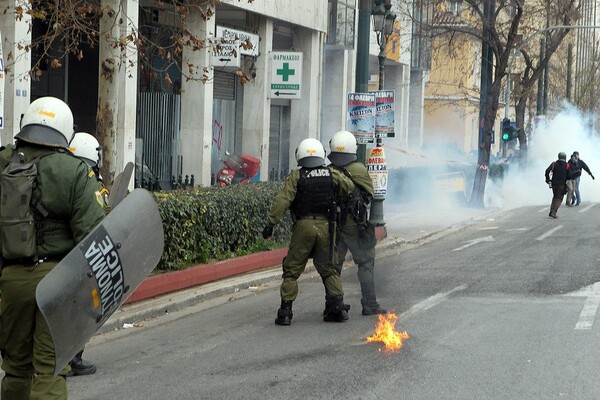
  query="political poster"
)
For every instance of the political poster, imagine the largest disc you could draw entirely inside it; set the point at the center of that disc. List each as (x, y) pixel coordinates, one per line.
(361, 117)
(384, 114)
(377, 167)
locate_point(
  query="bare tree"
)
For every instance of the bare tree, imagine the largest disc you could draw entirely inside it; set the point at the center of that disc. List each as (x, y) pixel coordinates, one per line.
(563, 14)
(501, 31)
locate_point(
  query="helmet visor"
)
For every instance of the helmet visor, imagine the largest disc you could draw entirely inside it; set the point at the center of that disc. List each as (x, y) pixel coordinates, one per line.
(311, 162)
(42, 135)
(341, 159)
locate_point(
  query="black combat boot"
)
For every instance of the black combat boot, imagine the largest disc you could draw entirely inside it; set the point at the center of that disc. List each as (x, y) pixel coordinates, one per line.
(370, 306)
(336, 310)
(80, 366)
(284, 314)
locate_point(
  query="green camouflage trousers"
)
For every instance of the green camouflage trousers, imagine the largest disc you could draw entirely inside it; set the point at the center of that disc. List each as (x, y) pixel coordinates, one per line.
(310, 239)
(25, 340)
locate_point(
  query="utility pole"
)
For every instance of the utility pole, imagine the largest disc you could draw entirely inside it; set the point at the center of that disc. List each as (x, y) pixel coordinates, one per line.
(569, 70)
(545, 99)
(362, 60)
(540, 91)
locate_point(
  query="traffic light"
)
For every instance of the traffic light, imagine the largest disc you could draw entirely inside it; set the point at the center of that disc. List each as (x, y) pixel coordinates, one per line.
(506, 130)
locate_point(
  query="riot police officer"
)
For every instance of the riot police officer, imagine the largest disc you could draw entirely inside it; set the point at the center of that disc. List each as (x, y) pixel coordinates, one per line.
(87, 148)
(64, 209)
(310, 194)
(356, 234)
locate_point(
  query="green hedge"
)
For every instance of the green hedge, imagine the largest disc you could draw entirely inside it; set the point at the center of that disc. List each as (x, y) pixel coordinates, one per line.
(204, 224)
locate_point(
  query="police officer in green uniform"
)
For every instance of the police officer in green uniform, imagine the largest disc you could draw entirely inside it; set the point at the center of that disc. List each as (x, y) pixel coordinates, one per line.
(87, 148)
(356, 234)
(65, 210)
(310, 194)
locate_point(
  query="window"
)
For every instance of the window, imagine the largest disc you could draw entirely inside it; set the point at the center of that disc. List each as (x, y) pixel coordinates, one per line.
(454, 6)
(340, 31)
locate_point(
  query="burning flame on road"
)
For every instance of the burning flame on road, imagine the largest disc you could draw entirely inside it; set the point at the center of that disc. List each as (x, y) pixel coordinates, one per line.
(386, 333)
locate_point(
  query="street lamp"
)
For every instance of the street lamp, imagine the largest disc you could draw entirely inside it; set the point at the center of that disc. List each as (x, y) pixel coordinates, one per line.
(383, 25)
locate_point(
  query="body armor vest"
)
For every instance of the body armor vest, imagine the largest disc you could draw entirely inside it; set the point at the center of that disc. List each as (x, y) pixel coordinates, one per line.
(315, 193)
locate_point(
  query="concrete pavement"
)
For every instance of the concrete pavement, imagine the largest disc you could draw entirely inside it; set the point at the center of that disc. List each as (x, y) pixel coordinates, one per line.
(407, 226)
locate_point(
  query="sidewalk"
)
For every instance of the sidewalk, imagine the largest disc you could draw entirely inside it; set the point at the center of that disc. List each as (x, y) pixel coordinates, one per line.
(406, 227)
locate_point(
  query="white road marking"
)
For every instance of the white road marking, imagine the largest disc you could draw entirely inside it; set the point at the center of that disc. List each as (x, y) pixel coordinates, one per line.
(430, 302)
(489, 228)
(588, 314)
(474, 241)
(543, 209)
(517, 229)
(587, 208)
(420, 307)
(550, 232)
(590, 308)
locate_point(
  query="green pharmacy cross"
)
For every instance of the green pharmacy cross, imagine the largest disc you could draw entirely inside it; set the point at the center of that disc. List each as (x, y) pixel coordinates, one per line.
(286, 71)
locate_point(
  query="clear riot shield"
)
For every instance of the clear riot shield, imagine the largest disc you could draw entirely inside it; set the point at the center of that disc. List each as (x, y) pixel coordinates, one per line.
(98, 275)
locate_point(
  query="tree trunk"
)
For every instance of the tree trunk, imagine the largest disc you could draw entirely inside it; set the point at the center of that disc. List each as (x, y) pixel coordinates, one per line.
(108, 87)
(487, 124)
(520, 111)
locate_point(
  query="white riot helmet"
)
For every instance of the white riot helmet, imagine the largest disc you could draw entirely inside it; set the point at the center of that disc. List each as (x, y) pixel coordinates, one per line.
(342, 147)
(86, 147)
(48, 121)
(310, 153)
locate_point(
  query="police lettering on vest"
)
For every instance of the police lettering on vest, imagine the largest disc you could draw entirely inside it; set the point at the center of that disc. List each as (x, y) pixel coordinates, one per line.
(315, 195)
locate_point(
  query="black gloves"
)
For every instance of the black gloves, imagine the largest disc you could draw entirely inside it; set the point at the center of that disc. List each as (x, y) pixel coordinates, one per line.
(268, 231)
(592, 177)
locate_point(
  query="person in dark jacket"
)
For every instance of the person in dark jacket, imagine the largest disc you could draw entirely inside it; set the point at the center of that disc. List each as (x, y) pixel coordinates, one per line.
(561, 173)
(576, 165)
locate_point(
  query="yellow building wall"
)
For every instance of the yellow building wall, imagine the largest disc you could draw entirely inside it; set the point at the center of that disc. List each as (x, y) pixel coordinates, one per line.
(451, 114)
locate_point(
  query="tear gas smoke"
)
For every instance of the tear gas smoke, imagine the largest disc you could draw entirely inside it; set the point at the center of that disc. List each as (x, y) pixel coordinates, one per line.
(569, 131)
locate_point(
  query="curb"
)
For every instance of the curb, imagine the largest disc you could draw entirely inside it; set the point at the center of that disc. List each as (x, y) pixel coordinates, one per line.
(169, 282)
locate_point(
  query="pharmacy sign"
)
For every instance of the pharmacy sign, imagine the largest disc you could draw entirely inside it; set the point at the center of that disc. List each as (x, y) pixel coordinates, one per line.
(286, 75)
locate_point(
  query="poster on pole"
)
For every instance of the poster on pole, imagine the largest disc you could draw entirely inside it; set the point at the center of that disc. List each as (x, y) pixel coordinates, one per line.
(384, 114)
(1, 85)
(361, 117)
(377, 167)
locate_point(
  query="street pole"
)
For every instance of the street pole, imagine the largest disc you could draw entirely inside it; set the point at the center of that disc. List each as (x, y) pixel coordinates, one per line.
(569, 70)
(507, 101)
(362, 61)
(381, 58)
(376, 212)
(540, 91)
(545, 98)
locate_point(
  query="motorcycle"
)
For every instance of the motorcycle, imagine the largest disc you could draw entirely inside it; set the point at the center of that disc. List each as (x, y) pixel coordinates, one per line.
(237, 169)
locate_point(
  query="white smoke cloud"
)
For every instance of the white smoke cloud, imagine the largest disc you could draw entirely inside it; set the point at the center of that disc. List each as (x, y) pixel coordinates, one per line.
(571, 130)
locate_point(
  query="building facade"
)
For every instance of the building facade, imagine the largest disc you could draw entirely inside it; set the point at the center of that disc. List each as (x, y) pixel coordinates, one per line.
(171, 125)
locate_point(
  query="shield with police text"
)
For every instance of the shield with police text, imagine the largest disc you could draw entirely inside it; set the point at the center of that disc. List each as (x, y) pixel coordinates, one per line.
(87, 286)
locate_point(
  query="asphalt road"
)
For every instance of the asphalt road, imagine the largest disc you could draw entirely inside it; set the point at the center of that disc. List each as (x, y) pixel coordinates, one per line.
(502, 309)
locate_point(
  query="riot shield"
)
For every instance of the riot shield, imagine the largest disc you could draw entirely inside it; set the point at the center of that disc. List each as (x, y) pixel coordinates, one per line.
(120, 185)
(96, 277)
